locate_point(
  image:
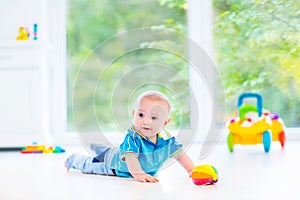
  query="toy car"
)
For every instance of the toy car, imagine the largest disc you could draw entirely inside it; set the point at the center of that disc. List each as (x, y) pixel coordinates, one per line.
(255, 125)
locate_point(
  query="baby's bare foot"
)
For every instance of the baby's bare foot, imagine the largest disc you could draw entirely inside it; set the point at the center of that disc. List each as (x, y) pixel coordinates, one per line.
(65, 165)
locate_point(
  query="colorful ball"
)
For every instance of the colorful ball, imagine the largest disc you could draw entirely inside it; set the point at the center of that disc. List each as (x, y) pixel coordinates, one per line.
(204, 175)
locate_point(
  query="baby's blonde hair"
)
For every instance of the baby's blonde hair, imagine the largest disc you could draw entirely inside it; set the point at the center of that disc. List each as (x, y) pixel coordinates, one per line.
(154, 95)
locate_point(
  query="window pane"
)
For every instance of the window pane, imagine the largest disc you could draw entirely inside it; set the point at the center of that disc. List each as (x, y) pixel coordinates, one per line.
(94, 85)
(257, 47)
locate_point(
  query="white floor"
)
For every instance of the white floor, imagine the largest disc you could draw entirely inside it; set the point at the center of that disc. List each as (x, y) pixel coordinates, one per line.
(248, 173)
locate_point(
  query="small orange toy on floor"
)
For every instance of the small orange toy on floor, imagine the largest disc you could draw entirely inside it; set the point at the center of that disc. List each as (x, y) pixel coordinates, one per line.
(41, 149)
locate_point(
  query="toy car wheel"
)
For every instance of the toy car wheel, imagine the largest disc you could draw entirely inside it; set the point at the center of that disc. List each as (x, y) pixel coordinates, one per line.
(282, 138)
(229, 142)
(267, 141)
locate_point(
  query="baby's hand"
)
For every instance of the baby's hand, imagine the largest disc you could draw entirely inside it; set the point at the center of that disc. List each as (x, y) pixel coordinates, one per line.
(147, 178)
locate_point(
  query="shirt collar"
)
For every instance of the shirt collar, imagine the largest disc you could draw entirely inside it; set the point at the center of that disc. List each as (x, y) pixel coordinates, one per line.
(133, 129)
(164, 134)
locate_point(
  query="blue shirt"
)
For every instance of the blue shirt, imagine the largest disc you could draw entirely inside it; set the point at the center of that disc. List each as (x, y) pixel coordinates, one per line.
(150, 156)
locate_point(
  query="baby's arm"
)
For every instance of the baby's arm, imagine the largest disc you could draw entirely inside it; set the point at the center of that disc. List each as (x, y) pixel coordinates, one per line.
(186, 162)
(137, 172)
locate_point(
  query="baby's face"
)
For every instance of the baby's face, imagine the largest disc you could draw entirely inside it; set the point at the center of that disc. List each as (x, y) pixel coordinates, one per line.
(150, 117)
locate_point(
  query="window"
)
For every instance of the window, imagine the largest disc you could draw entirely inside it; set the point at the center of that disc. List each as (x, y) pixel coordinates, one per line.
(106, 74)
(253, 51)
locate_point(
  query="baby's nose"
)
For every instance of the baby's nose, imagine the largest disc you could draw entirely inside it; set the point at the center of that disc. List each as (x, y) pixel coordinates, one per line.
(147, 120)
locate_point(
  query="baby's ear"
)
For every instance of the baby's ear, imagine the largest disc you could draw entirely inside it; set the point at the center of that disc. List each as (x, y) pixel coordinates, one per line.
(167, 121)
(133, 111)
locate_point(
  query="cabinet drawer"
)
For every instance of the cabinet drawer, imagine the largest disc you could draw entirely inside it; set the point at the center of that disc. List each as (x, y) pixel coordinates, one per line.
(20, 102)
(20, 58)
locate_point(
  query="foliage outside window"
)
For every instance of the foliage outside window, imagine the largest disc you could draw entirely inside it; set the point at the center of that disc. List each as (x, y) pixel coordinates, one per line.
(257, 46)
(91, 22)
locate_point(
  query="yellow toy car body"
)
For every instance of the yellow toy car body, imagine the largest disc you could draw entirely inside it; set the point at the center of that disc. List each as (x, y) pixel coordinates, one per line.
(248, 135)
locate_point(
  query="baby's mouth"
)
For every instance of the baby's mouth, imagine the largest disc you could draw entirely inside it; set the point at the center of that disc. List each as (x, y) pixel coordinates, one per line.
(146, 128)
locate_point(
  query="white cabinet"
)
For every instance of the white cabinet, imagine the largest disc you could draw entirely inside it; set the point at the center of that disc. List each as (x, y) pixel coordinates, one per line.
(21, 93)
(26, 67)
(32, 72)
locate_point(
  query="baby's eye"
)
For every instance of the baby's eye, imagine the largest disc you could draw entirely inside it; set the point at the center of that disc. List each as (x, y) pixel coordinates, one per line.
(154, 118)
(141, 115)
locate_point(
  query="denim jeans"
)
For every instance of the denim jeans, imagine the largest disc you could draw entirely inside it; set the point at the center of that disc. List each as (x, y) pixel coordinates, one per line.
(91, 165)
